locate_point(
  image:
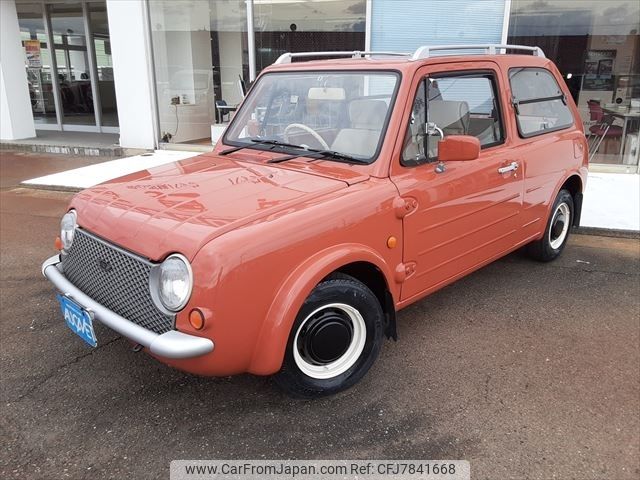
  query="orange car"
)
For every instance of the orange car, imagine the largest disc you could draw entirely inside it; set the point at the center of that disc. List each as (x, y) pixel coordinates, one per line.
(342, 191)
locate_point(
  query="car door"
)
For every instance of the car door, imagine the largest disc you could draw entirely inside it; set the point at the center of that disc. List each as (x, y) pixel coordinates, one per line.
(457, 215)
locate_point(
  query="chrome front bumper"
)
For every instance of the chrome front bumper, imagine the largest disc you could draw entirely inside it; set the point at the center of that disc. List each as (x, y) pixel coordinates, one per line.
(171, 344)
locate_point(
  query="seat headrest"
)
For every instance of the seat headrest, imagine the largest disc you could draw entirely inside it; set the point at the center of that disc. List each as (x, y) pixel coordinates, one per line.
(367, 114)
(451, 116)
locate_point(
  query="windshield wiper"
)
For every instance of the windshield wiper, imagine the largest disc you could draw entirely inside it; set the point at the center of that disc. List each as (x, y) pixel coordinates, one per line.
(338, 156)
(234, 149)
(260, 141)
(277, 143)
(313, 153)
(316, 154)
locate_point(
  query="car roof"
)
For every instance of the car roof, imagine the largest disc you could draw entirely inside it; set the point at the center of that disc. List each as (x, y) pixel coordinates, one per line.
(406, 64)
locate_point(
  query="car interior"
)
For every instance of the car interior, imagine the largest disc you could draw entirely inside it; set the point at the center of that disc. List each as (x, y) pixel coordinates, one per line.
(342, 112)
(348, 126)
(449, 109)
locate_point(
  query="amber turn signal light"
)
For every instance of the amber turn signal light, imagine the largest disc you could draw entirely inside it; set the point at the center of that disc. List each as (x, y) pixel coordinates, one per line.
(392, 242)
(58, 243)
(196, 319)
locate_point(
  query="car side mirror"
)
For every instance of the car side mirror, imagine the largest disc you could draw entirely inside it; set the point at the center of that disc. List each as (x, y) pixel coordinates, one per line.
(456, 148)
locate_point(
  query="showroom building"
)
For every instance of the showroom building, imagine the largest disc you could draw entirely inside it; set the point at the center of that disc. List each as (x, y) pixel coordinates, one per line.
(169, 71)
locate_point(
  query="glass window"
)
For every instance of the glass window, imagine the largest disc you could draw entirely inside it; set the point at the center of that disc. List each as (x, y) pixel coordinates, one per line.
(72, 61)
(345, 112)
(102, 45)
(540, 104)
(201, 58)
(201, 52)
(414, 151)
(457, 105)
(533, 83)
(307, 26)
(37, 59)
(596, 46)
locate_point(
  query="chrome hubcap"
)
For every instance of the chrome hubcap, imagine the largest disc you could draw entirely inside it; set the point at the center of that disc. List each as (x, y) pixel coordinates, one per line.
(329, 341)
(559, 226)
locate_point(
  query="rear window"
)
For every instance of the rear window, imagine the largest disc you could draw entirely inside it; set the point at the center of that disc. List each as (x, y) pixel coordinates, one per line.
(540, 104)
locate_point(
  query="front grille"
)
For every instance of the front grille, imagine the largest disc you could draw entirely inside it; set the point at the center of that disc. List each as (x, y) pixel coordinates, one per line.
(117, 279)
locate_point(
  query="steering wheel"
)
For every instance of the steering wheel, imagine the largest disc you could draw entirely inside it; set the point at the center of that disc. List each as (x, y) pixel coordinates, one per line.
(307, 129)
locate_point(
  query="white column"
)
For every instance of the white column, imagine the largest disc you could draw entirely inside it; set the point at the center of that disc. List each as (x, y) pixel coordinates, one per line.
(367, 28)
(505, 22)
(132, 73)
(16, 117)
(251, 41)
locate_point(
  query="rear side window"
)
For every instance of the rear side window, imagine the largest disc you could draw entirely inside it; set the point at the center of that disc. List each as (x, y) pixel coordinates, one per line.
(540, 104)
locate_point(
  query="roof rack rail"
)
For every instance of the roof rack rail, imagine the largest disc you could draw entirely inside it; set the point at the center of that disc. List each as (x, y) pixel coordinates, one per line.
(489, 49)
(287, 57)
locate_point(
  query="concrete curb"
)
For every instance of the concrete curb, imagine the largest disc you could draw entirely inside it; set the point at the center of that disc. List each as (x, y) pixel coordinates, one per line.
(607, 232)
(79, 150)
(51, 188)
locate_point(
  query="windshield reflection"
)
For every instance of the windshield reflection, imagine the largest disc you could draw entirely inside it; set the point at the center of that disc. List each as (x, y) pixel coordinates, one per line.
(343, 112)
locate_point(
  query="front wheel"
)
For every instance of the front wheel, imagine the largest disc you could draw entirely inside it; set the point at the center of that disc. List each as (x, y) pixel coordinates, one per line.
(335, 339)
(557, 231)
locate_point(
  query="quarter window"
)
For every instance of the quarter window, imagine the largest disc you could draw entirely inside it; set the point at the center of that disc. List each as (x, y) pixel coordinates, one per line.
(540, 104)
(459, 104)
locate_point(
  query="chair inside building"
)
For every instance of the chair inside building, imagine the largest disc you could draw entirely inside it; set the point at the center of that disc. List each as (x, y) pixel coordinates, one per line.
(602, 128)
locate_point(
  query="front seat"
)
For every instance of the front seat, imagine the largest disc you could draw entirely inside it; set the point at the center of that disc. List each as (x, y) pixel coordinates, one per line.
(451, 116)
(366, 118)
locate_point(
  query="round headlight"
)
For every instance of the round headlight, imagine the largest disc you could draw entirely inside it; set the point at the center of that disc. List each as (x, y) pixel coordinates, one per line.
(174, 282)
(68, 226)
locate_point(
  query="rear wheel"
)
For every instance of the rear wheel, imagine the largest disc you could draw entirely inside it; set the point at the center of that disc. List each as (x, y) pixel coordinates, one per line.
(557, 232)
(335, 339)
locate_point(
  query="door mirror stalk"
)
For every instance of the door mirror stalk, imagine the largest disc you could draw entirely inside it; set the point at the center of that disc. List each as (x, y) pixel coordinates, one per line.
(431, 129)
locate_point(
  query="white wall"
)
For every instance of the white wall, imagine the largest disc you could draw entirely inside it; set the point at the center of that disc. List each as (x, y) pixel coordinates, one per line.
(16, 118)
(132, 73)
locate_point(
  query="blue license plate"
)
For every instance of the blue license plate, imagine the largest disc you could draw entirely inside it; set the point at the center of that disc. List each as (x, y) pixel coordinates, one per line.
(78, 320)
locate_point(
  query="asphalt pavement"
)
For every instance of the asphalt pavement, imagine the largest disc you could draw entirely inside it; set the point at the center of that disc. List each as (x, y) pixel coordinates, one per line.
(527, 370)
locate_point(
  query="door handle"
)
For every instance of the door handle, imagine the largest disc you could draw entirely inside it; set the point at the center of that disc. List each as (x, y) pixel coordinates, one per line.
(512, 167)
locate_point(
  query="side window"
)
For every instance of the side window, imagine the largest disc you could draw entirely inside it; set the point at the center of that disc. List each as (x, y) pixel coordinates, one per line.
(539, 102)
(460, 104)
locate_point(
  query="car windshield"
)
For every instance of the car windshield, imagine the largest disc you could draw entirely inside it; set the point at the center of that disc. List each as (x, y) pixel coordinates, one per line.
(343, 112)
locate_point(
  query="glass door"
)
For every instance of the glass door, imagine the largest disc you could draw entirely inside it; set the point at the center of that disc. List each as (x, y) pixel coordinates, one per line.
(101, 50)
(73, 68)
(37, 56)
(67, 54)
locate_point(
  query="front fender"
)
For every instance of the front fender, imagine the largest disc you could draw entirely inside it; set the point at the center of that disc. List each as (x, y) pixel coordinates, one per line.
(270, 348)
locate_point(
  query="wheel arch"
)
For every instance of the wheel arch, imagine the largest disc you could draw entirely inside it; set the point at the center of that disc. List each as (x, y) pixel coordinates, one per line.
(575, 186)
(356, 260)
(574, 183)
(370, 275)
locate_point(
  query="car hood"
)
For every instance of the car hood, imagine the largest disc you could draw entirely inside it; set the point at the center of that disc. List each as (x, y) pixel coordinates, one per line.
(181, 206)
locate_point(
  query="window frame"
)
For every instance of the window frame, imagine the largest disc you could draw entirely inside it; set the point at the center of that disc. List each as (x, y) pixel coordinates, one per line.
(516, 103)
(491, 75)
(421, 83)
